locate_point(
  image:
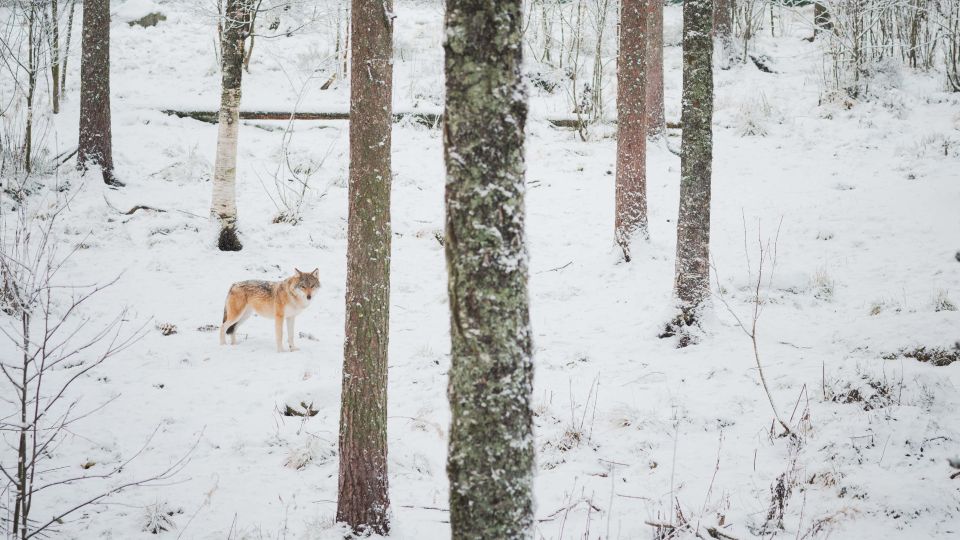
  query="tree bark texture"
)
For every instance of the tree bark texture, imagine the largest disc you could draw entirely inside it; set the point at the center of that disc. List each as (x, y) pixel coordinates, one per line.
(723, 30)
(54, 57)
(656, 122)
(696, 157)
(235, 27)
(491, 455)
(95, 146)
(363, 501)
(631, 181)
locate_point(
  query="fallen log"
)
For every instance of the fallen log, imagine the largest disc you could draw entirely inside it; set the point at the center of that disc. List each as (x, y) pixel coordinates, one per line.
(426, 118)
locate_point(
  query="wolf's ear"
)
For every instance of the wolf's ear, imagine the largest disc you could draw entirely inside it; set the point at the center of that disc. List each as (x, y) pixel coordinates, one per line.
(316, 272)
(297, 270)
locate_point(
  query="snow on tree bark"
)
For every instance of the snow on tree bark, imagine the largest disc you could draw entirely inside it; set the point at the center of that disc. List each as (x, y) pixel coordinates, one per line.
(656, 123)
(696, 155)
(235, 27)
(491, 455)
(95, 146)
(631, 182)
(363, 501)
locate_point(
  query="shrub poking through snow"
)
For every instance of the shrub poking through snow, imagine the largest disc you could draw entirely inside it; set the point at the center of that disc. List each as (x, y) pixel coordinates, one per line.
(303, 409)
(942, 302)
(158, 517)
(312, 450)
(822, 285)
(874, 393)
(937, 356)
(754, 117)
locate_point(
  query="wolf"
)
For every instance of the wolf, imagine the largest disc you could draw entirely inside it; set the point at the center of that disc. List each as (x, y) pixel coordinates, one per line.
(277, 299)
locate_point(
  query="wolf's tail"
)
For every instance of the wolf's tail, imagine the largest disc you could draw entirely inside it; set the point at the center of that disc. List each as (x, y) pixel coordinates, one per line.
(230, 328)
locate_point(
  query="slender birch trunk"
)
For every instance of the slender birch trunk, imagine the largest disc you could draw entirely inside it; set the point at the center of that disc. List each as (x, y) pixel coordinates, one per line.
(95, 146)
(693, 223)
(631, 182)
(66, 48)
(363, 500)
(656, 122)
(224, 206)
(491, 455)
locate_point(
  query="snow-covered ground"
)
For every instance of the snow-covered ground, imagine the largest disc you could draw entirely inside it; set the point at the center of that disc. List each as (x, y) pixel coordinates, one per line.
(859, 204)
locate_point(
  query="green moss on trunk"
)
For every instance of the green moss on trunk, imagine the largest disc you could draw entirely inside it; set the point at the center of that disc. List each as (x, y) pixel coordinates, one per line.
(693, 222)
(491, 455)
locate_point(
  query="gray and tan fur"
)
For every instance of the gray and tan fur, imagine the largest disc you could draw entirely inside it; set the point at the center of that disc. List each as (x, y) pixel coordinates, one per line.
(271, 299)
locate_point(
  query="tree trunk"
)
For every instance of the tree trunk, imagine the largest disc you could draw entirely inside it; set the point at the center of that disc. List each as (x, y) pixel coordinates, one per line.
(33, 51)
(656, 123)
(66, 48)
(54, 57)
(95, 146)
(491, 455)
(631, 184)
(696, 156)
(723, 30)
(363, 502)
(224, 207)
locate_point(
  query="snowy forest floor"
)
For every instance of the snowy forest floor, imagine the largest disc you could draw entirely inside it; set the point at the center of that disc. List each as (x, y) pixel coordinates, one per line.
(629, 428)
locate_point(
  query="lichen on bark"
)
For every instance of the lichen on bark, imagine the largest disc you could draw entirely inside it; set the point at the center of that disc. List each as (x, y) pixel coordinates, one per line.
(491, 456)
(692, 284)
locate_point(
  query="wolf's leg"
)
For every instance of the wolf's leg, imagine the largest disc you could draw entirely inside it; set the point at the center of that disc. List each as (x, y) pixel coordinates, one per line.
(290, 333)
(278, 326)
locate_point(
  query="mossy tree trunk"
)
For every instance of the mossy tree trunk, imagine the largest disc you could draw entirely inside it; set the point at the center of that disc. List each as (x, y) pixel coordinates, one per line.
(95, 146)
(656, 122)
(235, 28)
(491, 455)
(631, 181)
(696, 156)
(363, 502)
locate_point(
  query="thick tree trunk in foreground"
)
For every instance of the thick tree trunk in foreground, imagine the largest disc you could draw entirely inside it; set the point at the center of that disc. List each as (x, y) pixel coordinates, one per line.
(656, 123)
(491, 455)
(236, 26)
(363, 502)
(696, 156)
(631, 183)
(95, 147)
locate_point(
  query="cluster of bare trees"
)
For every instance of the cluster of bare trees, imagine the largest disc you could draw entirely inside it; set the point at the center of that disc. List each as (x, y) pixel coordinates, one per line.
(864, 37)
(30, 44)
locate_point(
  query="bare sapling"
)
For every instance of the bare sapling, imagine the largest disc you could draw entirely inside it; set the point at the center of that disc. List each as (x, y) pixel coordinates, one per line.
(53, 346)
(766, 263)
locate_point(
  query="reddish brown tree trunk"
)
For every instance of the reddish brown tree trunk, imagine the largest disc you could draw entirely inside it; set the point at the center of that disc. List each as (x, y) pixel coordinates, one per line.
(631, 205)
(363, 502)
(656, 123)
(95, 146)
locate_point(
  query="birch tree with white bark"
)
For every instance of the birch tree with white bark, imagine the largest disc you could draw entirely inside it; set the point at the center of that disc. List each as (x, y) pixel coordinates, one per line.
(235, 28)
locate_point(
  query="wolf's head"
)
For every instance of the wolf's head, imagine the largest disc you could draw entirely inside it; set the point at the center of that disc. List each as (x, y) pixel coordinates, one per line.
(305, 282)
